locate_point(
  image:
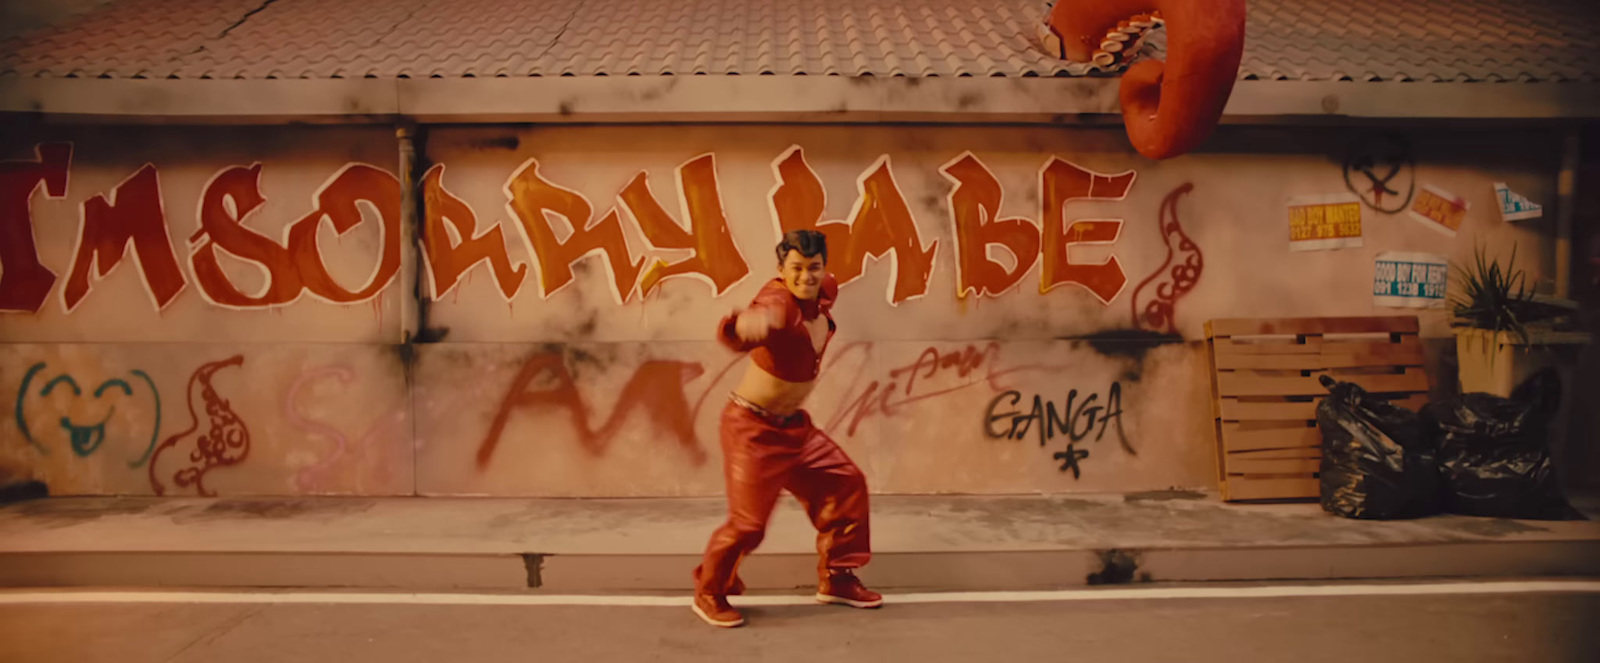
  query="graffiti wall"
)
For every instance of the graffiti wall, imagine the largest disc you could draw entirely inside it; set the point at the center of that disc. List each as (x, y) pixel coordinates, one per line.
(222, 311)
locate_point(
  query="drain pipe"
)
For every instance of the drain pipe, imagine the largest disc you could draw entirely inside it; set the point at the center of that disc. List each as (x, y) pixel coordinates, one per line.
(413, 304)
(1566, 195)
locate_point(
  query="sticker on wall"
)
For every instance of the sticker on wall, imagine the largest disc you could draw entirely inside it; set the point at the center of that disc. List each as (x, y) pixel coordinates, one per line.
(1410, 280)
(1324, 222)
(1439, 209)
(1515, 206)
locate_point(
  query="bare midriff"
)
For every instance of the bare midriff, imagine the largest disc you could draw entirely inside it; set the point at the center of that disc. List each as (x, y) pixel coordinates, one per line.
(779, 397)
(775, 395)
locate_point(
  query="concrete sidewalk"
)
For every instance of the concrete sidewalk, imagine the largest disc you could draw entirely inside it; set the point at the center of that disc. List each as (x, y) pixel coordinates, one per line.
(920, 543)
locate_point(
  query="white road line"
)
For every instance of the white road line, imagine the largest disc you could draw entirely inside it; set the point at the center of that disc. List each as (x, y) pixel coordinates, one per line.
(35, 597)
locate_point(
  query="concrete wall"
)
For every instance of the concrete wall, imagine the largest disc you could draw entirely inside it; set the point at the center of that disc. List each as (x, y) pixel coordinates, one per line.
(302, 384)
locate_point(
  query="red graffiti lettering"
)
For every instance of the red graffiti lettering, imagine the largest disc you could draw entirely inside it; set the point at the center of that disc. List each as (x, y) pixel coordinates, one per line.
(225, 442)
(451, 246)
(1156, 298)
(133, 216)
(880, 397)
(975, 208)
(296, 265)
(24, 281)
(339, 201)
(656, 387)
(1061, 182)
(880, 222)
(716, 257)
(222, 228)
(534, 199)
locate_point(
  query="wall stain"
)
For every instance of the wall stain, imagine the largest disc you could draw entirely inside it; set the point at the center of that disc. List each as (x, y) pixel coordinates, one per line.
(1118, 567)
(1163, 496)
(1130, 343)
(534, 563)
(1495, 527)
(590, 323)
(275, 509)
(63, 513)
(510, 143)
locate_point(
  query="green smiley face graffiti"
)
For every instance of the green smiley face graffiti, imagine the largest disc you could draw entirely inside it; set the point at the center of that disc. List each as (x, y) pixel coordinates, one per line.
(86, 436)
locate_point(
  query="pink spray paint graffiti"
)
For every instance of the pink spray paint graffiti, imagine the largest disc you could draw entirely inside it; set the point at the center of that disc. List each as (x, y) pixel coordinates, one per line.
(313, 477)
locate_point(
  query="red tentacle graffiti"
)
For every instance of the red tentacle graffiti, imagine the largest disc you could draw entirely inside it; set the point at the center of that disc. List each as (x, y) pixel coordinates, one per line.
(1154, 309)
(226, 441)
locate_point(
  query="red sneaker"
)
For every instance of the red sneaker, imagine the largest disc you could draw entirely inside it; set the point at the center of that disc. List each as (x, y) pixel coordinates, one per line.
(843, 588)
(716, 611)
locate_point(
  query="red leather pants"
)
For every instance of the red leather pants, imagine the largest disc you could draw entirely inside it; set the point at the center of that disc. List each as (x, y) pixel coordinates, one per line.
(761, 458)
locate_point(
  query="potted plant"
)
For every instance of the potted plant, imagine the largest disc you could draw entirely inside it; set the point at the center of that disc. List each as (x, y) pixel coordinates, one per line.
(1504, 331)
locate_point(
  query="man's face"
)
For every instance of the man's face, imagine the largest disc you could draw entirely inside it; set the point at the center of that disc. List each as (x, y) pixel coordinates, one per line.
(802, 275)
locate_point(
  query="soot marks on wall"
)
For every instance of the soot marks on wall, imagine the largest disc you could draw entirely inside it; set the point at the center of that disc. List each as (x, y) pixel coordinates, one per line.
(1163, 495)
(1130, 346)
(509, 142)
(406, 355)
(1118, 567)
(585, 329)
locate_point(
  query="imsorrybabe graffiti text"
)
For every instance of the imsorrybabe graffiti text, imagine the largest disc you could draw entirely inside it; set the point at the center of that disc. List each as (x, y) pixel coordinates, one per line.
(559, 228)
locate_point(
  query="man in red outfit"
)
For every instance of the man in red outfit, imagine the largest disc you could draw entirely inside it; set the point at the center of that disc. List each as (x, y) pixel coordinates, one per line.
(769, 444)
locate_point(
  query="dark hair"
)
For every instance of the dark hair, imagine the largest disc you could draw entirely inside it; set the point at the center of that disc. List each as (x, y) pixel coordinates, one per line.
(808, 242)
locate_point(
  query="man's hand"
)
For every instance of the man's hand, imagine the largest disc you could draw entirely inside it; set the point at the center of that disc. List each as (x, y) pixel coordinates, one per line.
(754, 324)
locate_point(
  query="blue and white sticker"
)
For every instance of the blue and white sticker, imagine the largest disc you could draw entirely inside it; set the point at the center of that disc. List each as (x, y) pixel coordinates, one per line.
(1410, 280)
(1515, 206)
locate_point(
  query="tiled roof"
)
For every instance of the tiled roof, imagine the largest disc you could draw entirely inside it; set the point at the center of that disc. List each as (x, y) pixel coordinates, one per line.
(1425, 40)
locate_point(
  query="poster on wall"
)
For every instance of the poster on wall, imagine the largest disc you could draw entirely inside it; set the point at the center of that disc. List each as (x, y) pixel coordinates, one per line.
(1514, 206)
(1324, 222)
(1410, 280)
(1439, 209)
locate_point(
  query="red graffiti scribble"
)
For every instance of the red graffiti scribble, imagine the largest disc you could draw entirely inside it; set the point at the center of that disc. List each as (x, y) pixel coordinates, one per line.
(225, 442)
(134, 216)
(1061, 182)
(450, 257)
(296, 265)
(533, 199)
(656, 387)
(694, 414)
(1154, 309)
(975, 208)
(880, 222)
(716, 257)
(881, 397)
(24, 281)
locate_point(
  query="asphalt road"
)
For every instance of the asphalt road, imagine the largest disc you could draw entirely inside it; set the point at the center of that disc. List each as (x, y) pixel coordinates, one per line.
(1522, 627)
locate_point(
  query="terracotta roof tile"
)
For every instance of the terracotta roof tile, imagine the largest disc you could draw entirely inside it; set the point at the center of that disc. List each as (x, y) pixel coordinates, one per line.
(1423, 40)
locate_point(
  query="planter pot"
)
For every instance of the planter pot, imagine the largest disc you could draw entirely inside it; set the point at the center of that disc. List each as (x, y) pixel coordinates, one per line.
(1497, 363)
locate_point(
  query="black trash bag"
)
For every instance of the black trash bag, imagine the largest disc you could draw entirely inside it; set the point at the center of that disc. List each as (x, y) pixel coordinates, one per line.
(1378, 459)
(1494, 452)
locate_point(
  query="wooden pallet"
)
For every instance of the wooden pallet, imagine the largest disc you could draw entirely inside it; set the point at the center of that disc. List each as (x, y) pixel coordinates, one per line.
(1265, 392)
